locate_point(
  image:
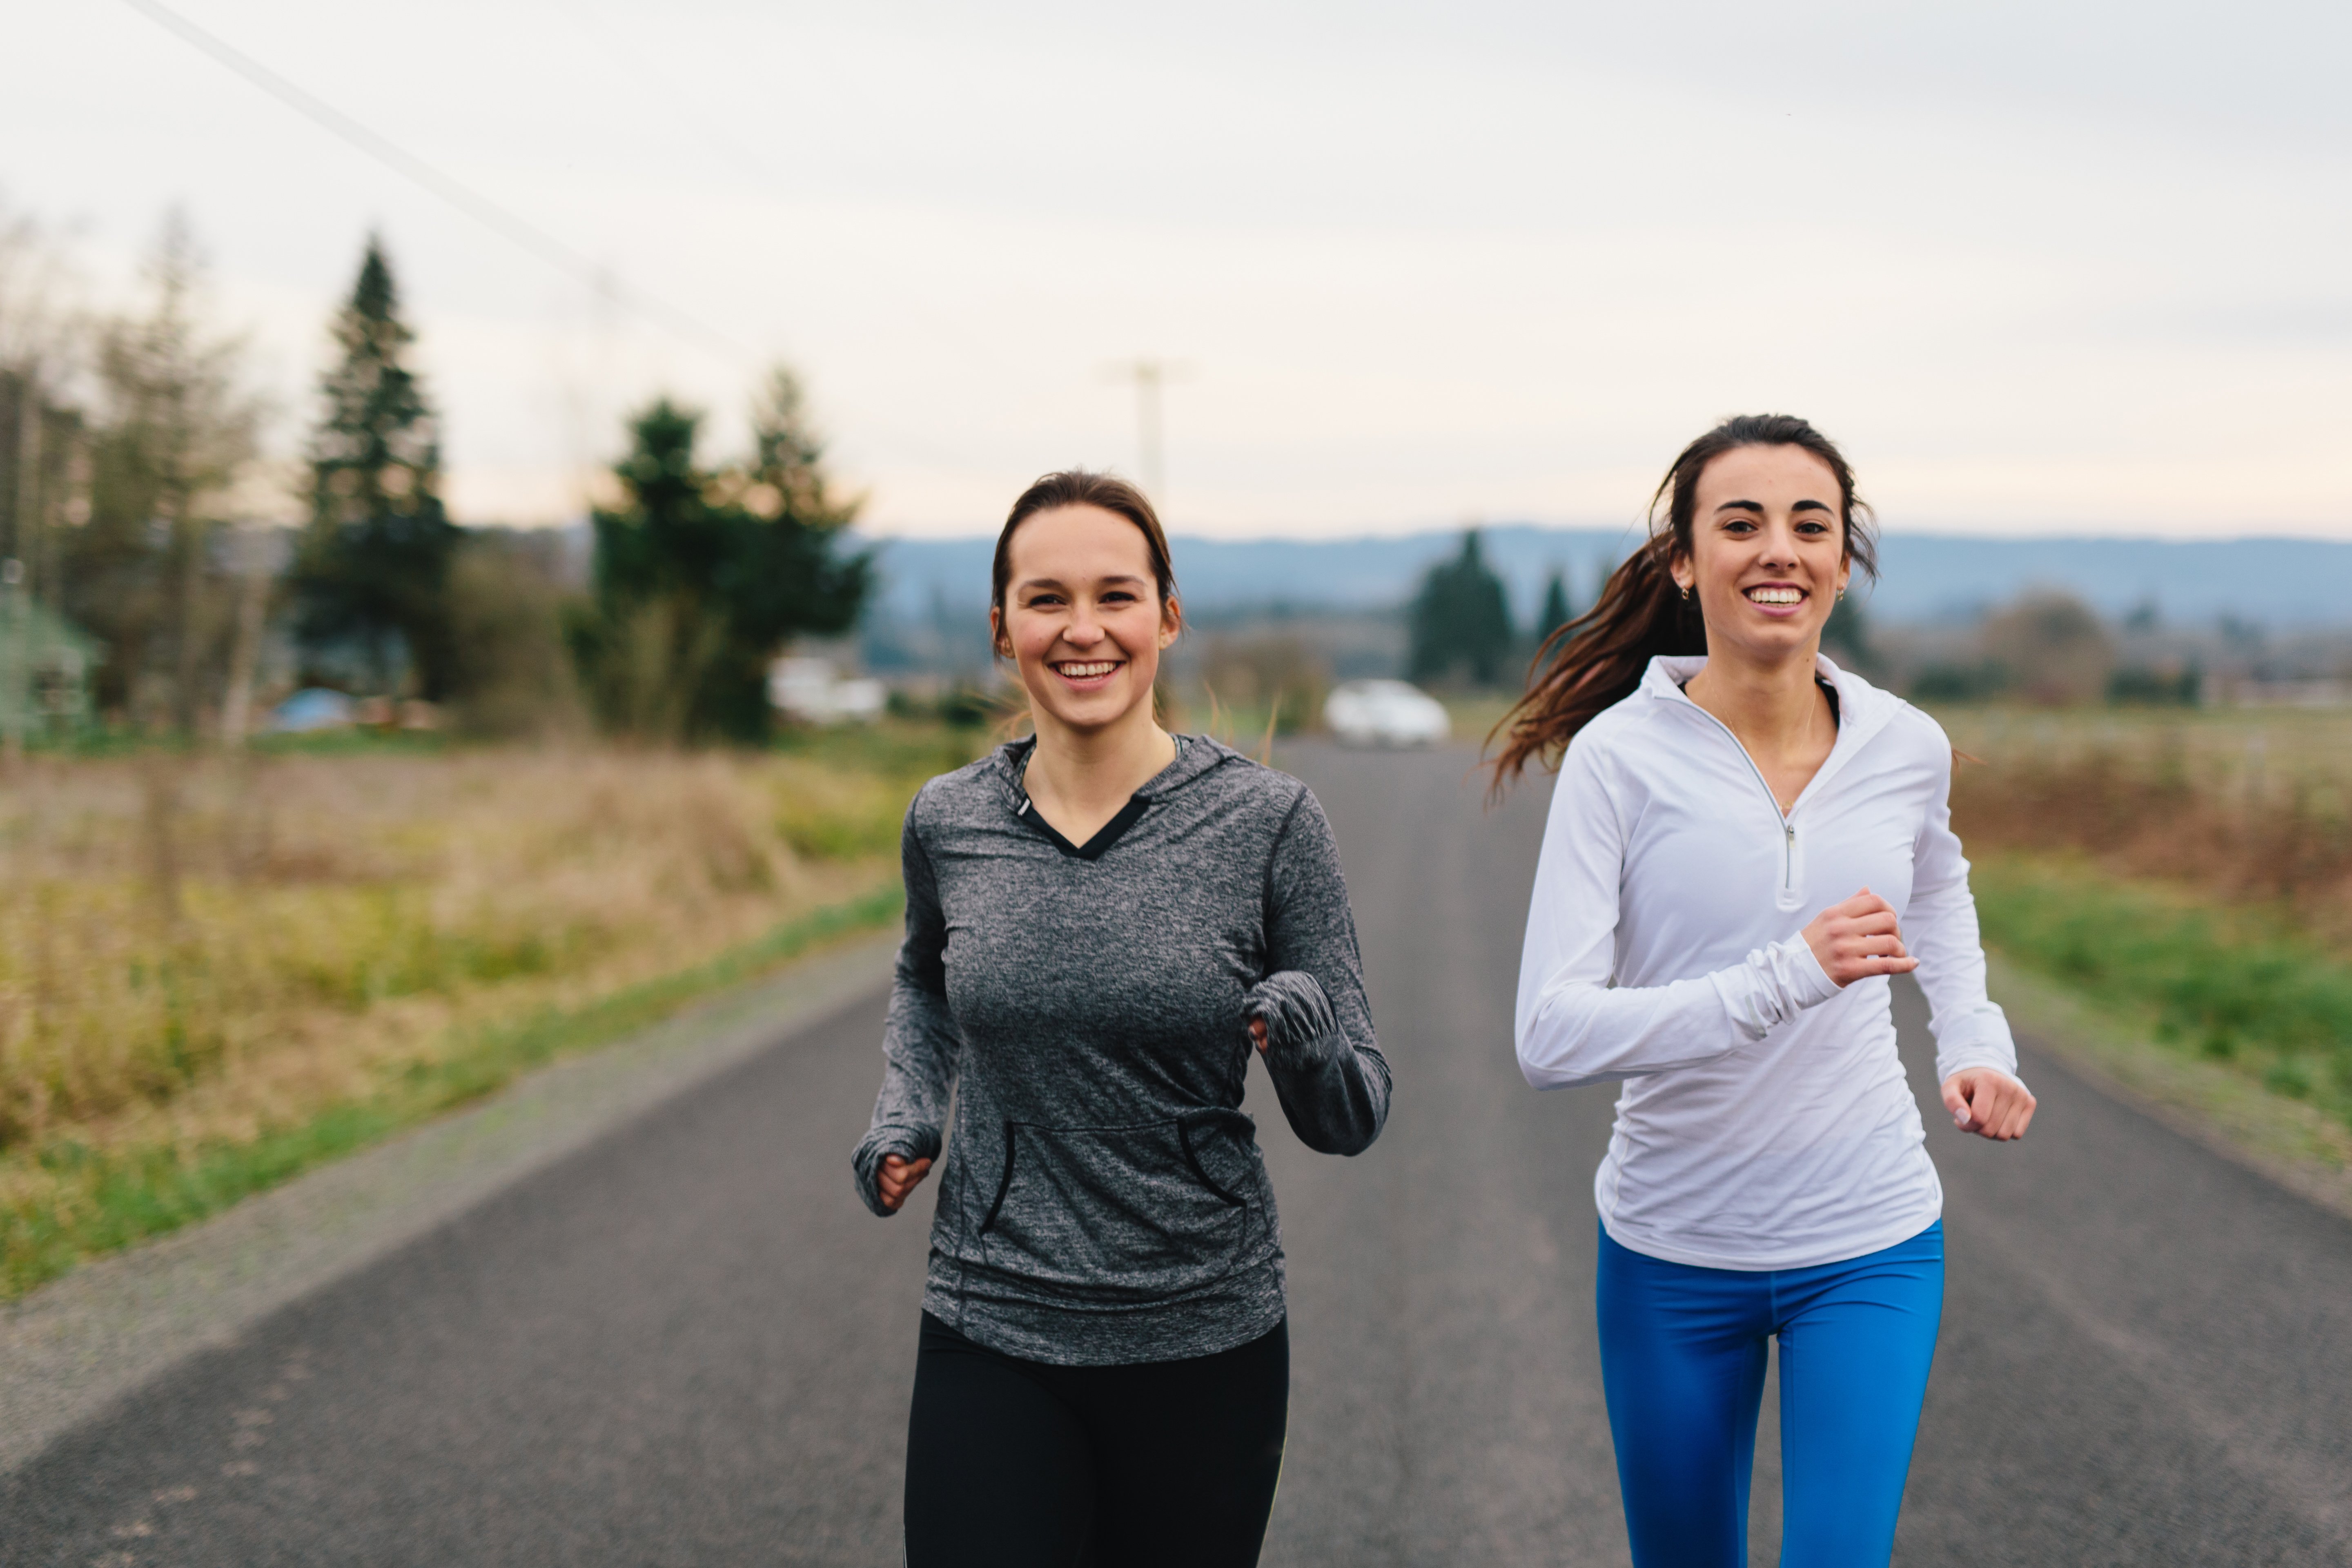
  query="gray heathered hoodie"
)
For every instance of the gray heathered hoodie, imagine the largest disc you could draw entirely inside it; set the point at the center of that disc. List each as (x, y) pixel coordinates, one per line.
(1104, 1200)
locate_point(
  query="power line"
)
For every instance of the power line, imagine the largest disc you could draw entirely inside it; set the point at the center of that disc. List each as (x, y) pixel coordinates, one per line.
(641, 66)
(480, 209)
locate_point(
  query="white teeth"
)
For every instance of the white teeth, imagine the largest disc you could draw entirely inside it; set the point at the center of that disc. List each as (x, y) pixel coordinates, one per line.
(1085, 671)
(1774, 595)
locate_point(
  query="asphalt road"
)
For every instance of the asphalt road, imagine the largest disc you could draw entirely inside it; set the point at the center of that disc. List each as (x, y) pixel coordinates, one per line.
(688, 1344)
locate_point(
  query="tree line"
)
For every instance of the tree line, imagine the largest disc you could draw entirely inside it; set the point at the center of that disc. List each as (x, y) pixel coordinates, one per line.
(1461, 634)
(1459, 626)
(131, 461)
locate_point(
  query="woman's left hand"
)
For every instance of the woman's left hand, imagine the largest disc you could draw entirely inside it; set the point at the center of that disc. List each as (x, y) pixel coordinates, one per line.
(1990, 1103)
(1257, 1034)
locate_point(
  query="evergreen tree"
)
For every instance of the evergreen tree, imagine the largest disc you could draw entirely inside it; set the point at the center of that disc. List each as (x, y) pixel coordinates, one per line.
(1461, 620)
(704, 574)
(1556, 612)
(372, 576)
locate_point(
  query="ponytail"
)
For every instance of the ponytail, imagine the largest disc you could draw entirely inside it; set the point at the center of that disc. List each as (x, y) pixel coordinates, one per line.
(1597, 660)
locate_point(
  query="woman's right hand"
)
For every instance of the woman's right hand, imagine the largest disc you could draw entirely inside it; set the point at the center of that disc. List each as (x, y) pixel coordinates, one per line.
(896, 1178)
(1858, 939)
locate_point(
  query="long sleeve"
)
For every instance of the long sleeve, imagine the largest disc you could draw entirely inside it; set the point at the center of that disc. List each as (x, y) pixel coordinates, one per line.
(1572, 1026)
(1940, 928)
(921, 1044)
(1326, 1065)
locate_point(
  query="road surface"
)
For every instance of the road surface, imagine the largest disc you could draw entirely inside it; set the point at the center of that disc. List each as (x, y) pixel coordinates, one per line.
(688, 1344)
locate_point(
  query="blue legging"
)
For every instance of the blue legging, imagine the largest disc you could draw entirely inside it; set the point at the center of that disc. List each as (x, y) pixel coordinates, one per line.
(1682, 1357)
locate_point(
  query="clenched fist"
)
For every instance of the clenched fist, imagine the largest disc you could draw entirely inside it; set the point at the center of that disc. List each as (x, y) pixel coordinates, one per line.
(896, 1178)
(1858, 939)
(1988, 1103)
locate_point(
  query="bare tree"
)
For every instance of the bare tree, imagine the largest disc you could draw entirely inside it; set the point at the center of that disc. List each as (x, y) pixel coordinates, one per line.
(176, 430)
(39, 328)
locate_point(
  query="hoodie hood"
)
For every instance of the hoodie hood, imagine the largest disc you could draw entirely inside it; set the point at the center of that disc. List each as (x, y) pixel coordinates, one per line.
(1196, 756)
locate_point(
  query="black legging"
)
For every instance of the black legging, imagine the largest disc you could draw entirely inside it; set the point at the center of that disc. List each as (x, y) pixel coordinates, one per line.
(1018, 1464)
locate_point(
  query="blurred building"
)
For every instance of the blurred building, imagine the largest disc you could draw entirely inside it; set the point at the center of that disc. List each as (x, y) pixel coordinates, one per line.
(45, 663)
(811, 689)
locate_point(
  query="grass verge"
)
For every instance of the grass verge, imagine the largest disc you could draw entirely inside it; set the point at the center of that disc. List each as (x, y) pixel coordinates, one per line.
(96, 1201)
(2227, 1019)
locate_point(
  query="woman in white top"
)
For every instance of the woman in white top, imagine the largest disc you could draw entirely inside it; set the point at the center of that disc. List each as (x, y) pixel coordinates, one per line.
(1745, 843)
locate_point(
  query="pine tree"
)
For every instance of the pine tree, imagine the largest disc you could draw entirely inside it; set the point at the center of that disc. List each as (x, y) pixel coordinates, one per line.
(796, 521)
(372, 574)
(1461, 620)
(705, 574)
(1556, 612)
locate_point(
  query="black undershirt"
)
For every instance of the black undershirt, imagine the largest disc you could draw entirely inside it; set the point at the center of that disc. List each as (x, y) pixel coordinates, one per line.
(1111, 832)
(1108, 834)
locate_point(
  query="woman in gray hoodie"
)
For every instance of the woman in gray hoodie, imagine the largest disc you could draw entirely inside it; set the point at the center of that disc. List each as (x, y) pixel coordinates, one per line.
(1101, 923)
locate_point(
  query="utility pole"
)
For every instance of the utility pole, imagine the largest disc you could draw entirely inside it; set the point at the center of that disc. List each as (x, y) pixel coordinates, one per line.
(1150, 376)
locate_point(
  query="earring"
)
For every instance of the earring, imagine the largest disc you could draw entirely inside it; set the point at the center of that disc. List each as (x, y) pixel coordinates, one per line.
(1685, 593)
(1840, 599)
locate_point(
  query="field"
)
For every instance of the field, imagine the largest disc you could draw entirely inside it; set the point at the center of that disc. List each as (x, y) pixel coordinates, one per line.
(216, 972)
(2186, 873)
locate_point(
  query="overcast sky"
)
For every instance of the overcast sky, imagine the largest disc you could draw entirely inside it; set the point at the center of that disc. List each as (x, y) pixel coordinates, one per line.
(2039, 267)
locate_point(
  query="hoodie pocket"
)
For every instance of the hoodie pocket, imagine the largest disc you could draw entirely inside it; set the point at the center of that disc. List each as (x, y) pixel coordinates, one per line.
(1120, 1213)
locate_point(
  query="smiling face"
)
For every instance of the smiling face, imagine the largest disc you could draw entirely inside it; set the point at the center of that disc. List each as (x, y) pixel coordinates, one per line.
(1767, 551)
(1083, 618)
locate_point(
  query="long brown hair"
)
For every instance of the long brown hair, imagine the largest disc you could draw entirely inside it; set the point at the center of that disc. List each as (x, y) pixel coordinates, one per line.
(1597, 660)
(1083, 487)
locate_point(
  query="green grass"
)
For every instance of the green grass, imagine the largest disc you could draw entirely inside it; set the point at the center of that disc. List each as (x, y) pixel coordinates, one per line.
(95, 742)
(2294, 1142)
(893, 748)
(100, 1201)
(355, 742)
(2238, 988)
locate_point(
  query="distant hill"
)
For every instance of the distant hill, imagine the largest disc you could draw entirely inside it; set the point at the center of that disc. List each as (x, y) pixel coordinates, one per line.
(2275, 583)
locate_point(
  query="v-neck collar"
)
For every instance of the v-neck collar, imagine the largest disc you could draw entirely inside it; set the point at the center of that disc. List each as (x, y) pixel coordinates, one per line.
(1111, 832)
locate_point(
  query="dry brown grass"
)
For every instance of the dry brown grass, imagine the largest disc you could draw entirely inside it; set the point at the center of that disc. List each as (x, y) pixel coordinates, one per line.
(193, 950)
(2187, 876)
(2243, 805)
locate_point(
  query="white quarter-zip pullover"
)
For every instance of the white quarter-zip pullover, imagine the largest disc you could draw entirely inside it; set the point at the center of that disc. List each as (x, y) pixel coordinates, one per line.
(1764, 1120)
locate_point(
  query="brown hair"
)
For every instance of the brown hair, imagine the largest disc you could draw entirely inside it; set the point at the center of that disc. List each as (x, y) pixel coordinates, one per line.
(1084, 487)
(1596, 660)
